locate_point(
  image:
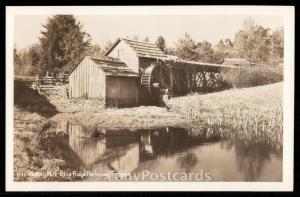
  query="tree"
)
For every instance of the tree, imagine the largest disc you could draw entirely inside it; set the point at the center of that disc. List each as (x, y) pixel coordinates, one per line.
(253, 42)
(16, 56)
(160, 43)
(63, 42)
(16, 61)
(277, 40)
(34, 54)
(95, 50)
(224, 49)
(244, 40)
(170, 51)
(204, 52)
(228, 43)
(27, 61)
(107, 46)
(186, 48)
(146, 39)
(262, 47)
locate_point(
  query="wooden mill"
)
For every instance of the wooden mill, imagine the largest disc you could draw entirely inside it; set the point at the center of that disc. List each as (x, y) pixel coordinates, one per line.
(158, 71)
(138, 73)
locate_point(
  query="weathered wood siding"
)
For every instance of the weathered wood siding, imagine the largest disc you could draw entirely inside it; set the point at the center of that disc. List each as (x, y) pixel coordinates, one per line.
(121, 91)
(87, 80)
(126, 54)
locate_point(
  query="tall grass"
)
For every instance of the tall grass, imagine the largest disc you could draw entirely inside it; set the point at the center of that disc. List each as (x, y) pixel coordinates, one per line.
(254, 76)
(31, 133)
(249, 113)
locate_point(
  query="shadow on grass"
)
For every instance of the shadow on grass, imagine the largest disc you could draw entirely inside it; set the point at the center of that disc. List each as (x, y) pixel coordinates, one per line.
(30, 100)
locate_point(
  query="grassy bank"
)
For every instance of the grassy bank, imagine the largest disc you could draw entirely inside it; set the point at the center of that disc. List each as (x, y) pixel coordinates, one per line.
(133, 118)
(30, 154)
(250, 113)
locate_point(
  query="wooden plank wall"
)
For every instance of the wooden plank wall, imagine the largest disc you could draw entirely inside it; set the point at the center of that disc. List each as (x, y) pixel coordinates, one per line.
(121, 91)
(87, 80)
(127, 55)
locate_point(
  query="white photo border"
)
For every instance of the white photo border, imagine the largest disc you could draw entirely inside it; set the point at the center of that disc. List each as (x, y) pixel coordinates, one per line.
(288, 13)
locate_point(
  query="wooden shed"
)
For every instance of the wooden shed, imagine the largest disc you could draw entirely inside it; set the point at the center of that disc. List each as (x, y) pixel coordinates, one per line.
(104, 77)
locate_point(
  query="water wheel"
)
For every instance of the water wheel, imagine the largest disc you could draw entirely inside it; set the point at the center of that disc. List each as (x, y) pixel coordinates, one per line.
(155, 79)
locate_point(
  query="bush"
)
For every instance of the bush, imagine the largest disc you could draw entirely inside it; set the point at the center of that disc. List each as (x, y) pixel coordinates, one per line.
(255, 76)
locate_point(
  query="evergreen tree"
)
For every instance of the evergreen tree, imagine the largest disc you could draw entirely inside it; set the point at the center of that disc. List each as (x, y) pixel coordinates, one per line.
(160, 43)
(62, 42)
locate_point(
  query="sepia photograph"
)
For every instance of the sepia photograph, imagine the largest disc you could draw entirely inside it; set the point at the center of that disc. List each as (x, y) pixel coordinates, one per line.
(176, 95)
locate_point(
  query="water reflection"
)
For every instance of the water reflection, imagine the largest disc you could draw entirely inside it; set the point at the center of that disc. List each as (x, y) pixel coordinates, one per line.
(88, 150)
(165, 150)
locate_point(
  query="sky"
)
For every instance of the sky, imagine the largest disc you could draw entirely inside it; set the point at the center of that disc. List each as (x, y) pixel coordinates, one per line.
(211, 28)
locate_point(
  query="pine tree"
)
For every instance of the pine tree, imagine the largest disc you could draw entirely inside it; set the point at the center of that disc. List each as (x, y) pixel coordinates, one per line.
(62, 43)
(160, 43)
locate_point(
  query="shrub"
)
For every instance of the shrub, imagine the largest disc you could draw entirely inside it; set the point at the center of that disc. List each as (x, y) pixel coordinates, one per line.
(254, 76)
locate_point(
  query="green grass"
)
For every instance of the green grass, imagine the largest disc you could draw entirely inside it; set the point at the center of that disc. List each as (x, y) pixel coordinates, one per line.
(249, 113)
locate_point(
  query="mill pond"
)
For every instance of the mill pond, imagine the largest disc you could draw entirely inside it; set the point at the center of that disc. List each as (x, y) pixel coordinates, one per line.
(160, 150)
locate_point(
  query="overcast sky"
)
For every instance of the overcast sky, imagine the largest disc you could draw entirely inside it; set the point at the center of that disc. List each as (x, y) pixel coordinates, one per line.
(103, 28)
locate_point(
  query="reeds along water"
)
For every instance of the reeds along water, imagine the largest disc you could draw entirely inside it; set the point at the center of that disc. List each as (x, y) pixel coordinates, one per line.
(250, 122)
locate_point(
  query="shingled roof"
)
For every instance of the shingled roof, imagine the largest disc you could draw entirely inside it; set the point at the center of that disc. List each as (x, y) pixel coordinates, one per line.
(143, 49)
(110, 66)
(113, 66)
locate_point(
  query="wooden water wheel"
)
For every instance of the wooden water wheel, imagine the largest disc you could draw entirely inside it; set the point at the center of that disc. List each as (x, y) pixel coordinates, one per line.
(155, 79)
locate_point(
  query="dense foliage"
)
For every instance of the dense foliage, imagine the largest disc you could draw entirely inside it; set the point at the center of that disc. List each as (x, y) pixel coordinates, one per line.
(256, 76)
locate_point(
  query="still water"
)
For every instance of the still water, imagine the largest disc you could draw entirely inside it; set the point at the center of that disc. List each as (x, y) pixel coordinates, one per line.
(163, 150)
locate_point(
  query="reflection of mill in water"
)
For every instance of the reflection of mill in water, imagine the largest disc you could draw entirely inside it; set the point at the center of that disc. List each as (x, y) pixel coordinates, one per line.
(122, 150)
(154, 149)
(114, 151)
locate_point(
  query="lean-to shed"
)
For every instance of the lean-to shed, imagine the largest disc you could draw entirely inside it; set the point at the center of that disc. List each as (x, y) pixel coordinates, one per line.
(104, 77)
